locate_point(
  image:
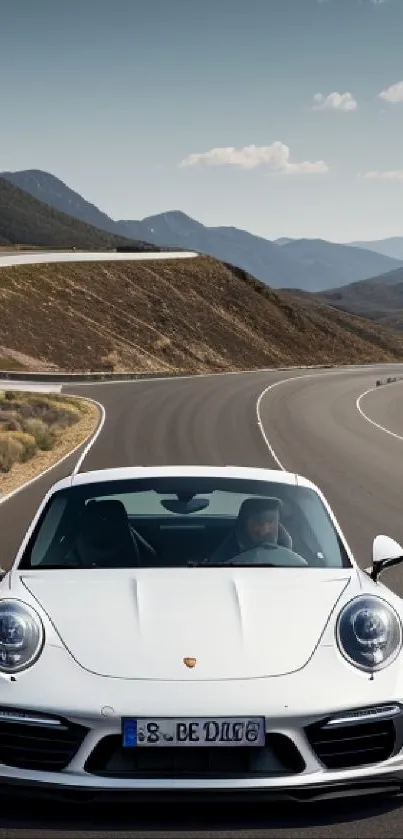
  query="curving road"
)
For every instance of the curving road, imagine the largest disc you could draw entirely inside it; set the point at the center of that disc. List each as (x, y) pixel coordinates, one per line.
(308, 422)
(41, 257)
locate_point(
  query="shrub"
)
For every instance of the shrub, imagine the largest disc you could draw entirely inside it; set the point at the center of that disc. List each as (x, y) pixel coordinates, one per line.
(62, 416)
(73, 413)
(45, 441)
(38, 405)
(31, 422)
(10, 421)
(12, 425)
(51, 415)
(11, 451)
(25, 410)
(8, 405)
(28, 444)
(43, 437)
(53, 412)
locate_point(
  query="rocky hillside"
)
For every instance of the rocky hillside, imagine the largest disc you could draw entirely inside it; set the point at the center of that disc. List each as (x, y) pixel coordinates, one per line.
(190, 315)
(380, 299)
(311, 264)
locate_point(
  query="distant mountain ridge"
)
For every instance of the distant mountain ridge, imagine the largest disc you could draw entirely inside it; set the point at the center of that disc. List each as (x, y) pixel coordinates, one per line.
(313, 265)
(392, 247)
(26, 221)
(380, 299)
(330, 259)
(50, 190)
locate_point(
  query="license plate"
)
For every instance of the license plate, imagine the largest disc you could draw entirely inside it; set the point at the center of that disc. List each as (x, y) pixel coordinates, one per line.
(198, 731)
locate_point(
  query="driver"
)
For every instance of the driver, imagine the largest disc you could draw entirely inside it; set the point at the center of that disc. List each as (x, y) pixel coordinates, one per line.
(258, 521)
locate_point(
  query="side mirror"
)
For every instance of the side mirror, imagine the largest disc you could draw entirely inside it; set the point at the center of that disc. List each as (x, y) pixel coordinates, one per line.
(385, 553)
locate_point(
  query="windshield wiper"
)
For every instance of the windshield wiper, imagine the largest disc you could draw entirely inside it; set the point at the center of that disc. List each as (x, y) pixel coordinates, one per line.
(41, 566)
(192, 564)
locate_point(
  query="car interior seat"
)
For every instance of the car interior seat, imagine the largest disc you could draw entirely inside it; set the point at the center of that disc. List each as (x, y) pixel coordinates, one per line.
(105, 539)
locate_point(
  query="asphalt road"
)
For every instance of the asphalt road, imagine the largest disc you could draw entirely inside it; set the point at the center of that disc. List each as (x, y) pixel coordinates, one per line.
(311, 421)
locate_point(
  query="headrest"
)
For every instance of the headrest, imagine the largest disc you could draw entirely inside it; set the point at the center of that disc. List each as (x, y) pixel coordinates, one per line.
(110, 510)
(105, 523)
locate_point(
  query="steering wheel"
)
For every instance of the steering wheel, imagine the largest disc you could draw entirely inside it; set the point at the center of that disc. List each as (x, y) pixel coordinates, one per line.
(287, 557)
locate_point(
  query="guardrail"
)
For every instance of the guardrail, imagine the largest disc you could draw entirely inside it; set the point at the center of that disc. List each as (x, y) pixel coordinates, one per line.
(103, 376)
(389, 380)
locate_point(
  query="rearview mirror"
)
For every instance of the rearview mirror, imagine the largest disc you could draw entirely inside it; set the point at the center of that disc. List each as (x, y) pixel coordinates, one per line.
(385, 553)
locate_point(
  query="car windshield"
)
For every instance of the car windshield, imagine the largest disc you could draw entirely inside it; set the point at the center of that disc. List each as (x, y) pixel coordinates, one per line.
(179, 522)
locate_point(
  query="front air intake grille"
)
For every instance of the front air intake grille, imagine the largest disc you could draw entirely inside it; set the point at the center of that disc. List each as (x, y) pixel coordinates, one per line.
(352, 745)
(277, 758)
(33, 741)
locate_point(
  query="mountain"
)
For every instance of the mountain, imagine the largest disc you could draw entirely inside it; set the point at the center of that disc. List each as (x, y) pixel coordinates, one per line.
(380, 299)
(341, 264)
(283, 241)
(309, 264)
(189, 315)
(25, 220)
(392, 247)
(259, 257)
(50, 190)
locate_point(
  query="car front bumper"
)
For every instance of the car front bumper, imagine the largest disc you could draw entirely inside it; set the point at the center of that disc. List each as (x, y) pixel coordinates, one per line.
(93, 706)
(91, 771)
(83, 790)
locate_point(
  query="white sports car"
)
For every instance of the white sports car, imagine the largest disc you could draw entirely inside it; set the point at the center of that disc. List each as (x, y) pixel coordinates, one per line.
(198, 632)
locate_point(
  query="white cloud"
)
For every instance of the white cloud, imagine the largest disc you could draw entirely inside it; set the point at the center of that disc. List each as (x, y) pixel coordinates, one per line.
(391, 174)
(335, 102)
(393, 94)
(276, 157)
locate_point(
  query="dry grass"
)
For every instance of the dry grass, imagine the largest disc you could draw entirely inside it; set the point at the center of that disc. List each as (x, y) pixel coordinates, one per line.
(10, 363)
(17, 360)
(41, 444)
(194, 315)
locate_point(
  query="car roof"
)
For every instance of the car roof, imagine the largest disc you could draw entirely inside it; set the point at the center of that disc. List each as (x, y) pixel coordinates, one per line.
(141, 472)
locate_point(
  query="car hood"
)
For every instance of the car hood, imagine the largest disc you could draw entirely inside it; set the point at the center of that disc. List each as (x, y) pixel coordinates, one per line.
(237, 623)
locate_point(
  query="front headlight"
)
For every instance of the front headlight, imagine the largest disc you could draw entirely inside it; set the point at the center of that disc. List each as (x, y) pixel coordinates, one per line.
(21, 636)
(369, 633)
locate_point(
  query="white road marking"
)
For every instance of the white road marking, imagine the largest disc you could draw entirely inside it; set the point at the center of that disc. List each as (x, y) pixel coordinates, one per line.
(259, 417)
(371, 421)
(92, 439)
(309, 376)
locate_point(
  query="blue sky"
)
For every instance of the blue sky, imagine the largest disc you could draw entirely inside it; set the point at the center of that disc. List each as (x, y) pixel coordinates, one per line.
(208, 106)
